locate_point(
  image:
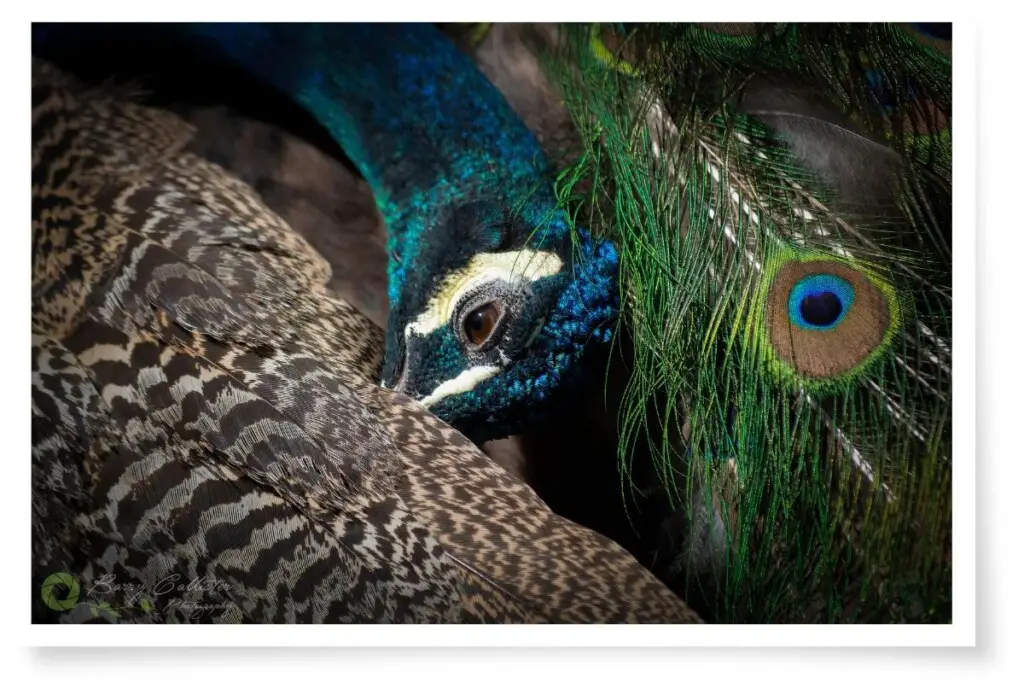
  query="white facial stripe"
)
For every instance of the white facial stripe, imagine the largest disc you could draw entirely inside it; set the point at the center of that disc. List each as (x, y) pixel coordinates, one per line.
(510, 266)
(465, 381)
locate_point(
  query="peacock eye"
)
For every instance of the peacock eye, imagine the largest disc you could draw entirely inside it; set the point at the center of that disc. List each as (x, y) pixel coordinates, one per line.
(480, 322)
(820, 301)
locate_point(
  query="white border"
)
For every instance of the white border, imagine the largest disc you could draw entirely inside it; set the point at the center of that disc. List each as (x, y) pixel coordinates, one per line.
(16, 572)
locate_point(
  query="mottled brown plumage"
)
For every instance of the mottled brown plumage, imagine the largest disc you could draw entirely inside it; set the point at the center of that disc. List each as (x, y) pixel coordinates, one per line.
(204, 406)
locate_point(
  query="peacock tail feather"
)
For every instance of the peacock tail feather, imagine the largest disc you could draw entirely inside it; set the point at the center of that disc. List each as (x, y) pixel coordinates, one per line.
(779, 201)
(780, 198)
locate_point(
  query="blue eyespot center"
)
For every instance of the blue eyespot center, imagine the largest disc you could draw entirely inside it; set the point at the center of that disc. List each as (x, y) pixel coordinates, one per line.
(820, 302)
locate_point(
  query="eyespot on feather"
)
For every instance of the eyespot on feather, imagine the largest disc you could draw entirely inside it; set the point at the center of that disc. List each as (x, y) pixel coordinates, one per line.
(821, 320)
(820, 301)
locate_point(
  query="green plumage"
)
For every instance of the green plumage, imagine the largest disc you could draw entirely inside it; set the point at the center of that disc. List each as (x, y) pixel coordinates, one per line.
(740, 168)
(209, 440)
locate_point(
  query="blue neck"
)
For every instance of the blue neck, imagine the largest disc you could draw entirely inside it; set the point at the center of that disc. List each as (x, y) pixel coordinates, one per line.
(454, 172)
(425, 128)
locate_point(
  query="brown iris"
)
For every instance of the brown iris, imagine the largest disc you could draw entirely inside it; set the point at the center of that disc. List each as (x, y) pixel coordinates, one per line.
(480, 323)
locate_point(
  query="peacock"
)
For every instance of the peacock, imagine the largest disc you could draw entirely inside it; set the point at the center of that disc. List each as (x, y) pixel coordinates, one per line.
(767, 206)
(853, 121)
(210, 442)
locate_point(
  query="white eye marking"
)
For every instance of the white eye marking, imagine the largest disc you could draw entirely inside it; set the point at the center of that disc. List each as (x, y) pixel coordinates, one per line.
(509, 266)
(465, 381)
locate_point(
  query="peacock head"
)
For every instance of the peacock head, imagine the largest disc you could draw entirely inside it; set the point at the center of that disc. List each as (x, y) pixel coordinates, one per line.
(492, 313)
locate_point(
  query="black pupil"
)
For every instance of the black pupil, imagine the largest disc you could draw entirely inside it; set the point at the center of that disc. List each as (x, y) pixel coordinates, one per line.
(477, 321)
(480, 323)
(821, 309)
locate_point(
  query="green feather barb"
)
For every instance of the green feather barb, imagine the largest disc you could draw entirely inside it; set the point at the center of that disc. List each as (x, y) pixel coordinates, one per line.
(781, 199)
